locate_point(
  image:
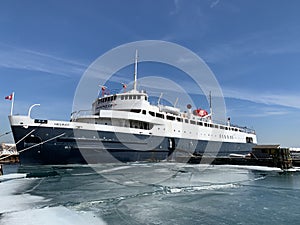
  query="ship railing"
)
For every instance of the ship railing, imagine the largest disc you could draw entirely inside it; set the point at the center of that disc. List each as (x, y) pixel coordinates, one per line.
(81, 114)
(244, 129)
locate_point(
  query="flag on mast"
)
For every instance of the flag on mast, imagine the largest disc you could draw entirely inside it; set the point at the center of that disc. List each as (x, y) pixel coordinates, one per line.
(124, 87)
(11, 97)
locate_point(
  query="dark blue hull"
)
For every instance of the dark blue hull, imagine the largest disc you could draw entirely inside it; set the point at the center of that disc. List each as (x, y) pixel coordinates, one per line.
(61, 146)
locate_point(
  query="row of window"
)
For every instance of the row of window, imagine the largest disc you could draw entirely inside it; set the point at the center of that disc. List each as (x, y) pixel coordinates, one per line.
(220, 135)
(123, 97)
(108, 99)
(130, 97)
(199, 123)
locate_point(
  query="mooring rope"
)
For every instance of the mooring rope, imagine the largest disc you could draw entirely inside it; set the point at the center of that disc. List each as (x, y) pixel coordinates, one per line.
(17, 143)
(8, 132)
(43, 142)
(30, 146)
(24, 137)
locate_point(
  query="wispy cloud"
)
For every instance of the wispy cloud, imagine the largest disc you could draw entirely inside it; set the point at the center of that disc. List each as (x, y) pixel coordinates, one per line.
(253, 45)
(176, 7)
(281, 99)
(214, 3)
(27, 59)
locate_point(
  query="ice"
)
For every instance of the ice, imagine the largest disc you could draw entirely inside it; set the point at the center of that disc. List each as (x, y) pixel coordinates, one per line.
(50, 216)
(257, 168)
(19, 207)
(10, 201)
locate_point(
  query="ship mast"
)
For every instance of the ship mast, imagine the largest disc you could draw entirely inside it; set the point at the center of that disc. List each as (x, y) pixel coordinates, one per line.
(210, 105)
(135, 70)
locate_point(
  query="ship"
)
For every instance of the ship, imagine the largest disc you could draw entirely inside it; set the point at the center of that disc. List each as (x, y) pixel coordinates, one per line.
(126, 127)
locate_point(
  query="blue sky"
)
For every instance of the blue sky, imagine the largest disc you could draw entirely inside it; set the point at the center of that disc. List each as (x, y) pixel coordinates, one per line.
(252, 47)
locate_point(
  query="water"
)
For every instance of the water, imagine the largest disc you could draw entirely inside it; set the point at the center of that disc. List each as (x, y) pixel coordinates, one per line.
(149, 193)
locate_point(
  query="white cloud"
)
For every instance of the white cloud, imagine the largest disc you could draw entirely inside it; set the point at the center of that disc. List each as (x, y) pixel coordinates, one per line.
(26, 59)
(281, 99)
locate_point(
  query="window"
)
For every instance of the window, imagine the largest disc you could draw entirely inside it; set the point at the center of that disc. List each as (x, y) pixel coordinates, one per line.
(170, 117)
(179, 119)
(138, 97)
(249, 139)
(192, 122)
(205, 124)
(199, 123)
(151, 113)
(144, 112)
(126, 97)
(159, 115)
(135, 110)
(130, 97)
(186, 121)
(146, 98)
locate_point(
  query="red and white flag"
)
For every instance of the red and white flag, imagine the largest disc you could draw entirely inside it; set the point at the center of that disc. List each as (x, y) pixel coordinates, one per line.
(9, 97)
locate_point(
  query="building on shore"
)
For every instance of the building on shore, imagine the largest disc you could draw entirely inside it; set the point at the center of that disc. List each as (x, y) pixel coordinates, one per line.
(8, 153)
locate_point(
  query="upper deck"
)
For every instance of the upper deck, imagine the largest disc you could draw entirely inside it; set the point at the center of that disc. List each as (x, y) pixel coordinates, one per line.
(124, 101)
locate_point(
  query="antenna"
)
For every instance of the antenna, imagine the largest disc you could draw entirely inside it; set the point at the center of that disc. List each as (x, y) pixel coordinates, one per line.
(161, 94)
(210, 105)
(175, 102)
(135, 69)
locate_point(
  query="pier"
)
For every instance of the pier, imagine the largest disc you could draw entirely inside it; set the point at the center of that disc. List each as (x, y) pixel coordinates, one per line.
(261, 155)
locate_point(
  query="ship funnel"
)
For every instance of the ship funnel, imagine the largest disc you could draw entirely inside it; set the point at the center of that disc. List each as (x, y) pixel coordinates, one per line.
(189, 112)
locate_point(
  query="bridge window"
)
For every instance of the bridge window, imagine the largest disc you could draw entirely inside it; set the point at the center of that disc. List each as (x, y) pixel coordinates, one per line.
(159, 115)
(249, 139)
(170, 117)
(151, 113)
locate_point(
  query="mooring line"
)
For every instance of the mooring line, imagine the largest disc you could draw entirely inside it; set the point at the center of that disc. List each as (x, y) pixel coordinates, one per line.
(50, 139)
(8, 132)
(24, 137)
(43, 142)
